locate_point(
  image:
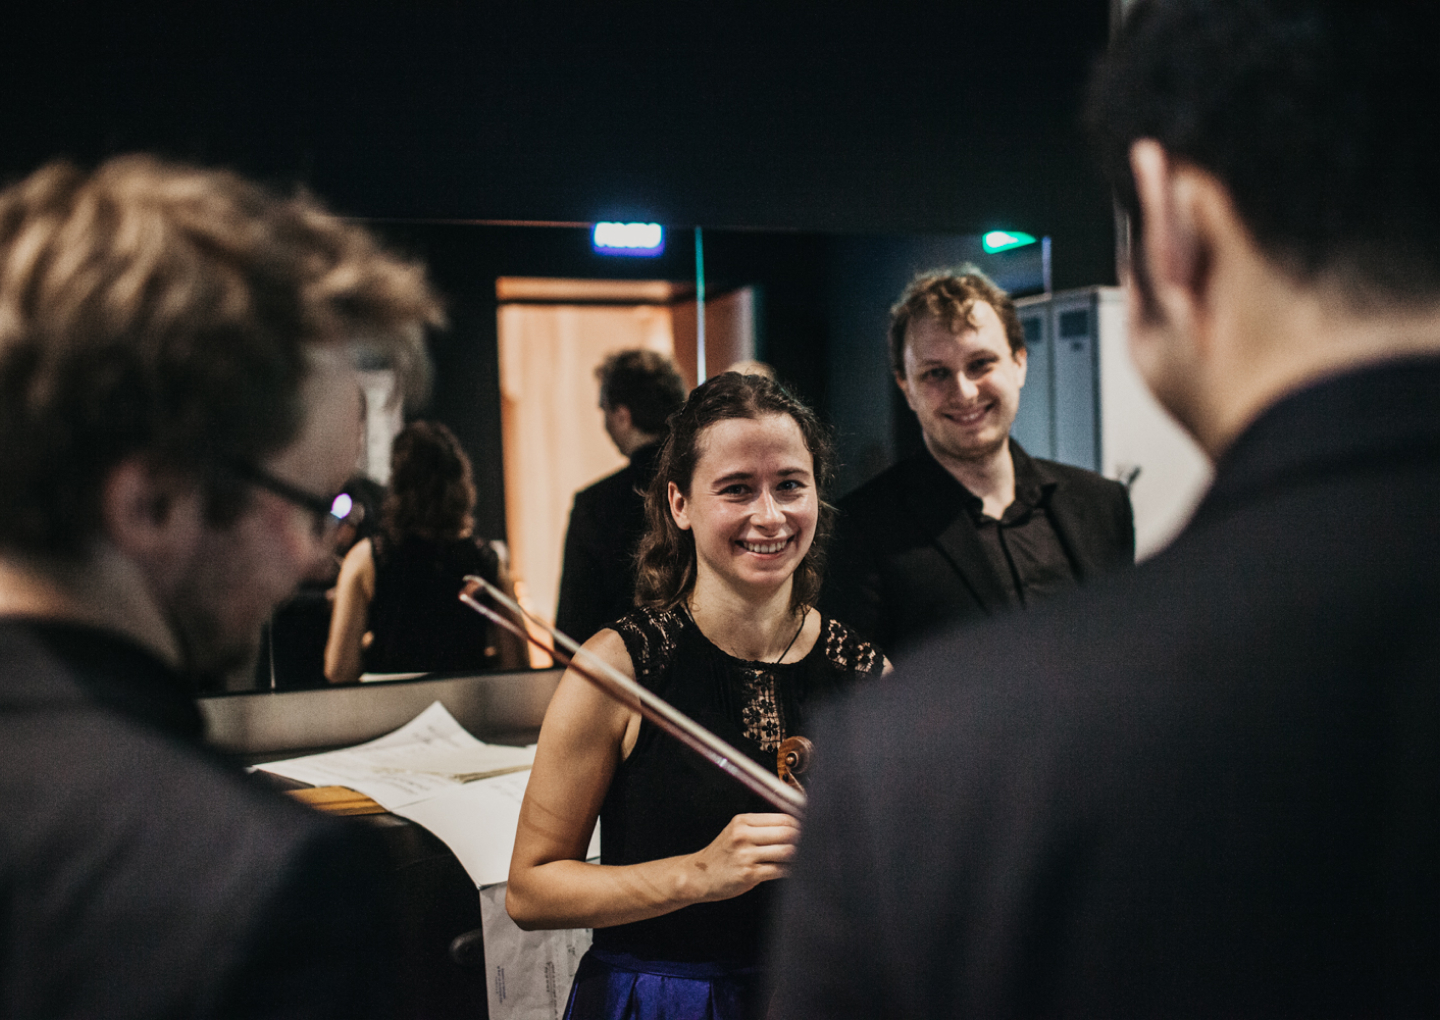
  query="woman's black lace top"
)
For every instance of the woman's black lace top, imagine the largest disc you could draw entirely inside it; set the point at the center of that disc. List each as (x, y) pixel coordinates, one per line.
(665, 800)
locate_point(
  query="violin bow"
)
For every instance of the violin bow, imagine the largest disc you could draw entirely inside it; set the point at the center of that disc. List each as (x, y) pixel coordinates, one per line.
(729, 760)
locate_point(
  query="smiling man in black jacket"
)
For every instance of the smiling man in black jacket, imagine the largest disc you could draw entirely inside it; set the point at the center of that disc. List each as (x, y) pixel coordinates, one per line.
(971, 526)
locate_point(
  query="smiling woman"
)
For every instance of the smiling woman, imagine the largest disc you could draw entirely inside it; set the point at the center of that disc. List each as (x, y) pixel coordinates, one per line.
(751, 510)
(740, 427)
(725, 632)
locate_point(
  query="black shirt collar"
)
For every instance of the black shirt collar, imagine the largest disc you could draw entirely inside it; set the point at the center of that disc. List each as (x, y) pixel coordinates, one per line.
(1032, 489)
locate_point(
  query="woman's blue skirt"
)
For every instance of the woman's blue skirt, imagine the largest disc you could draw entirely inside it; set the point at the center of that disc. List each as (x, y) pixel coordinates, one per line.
(618, 986)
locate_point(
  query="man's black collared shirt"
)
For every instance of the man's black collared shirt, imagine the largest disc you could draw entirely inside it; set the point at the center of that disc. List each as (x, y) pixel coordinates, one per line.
(1022, 545)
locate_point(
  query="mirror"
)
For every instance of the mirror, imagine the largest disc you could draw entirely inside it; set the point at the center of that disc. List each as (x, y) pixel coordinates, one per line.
(533, 308)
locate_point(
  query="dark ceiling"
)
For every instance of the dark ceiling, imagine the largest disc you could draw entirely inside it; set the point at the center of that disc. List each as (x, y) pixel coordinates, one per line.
(951, 117)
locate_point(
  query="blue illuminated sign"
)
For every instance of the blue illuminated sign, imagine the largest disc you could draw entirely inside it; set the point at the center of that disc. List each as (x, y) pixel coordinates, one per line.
(629, 238)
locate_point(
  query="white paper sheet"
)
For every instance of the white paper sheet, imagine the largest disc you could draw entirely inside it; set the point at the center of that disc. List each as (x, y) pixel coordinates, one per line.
(527, 973)
(430, 755)
(478, 822)
(436, 774)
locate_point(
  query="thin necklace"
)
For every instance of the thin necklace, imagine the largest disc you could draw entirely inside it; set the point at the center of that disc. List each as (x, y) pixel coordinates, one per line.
(798, 629)
(803, 617)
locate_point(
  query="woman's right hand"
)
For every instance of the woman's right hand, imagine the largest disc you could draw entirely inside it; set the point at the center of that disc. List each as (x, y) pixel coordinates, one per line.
(751, 849)
(586, 734)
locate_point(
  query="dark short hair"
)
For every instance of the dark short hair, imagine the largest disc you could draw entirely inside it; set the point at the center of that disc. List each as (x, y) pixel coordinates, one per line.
(665, 562)
(1319, 117)
(432, 488)
(164, 310)
(647, 382)
(949, 297)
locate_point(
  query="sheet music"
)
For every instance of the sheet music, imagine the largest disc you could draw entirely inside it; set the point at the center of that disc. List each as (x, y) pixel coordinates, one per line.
(468, 793)
(433, 772)
(527, 973)
(430, 755)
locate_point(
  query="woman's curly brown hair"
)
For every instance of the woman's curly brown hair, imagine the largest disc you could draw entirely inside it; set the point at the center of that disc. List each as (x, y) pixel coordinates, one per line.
(432, 491)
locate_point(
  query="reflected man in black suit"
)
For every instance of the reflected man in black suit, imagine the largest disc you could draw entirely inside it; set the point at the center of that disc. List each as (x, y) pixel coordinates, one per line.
(971, 526)
(178, 409)
(639, 389)
(1209, 786)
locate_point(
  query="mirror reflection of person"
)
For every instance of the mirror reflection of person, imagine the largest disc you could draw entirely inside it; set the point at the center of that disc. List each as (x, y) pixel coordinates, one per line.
(397, 608)
(1209, 786)
(726, 632)
(178, 409)
(971, 526)
(639, 389)
(300, 627)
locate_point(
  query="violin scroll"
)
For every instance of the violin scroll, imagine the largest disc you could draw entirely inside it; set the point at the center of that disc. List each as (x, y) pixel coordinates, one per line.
(792, 758)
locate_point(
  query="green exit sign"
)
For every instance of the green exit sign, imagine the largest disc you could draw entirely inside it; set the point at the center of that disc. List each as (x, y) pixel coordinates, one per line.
(1004, 240)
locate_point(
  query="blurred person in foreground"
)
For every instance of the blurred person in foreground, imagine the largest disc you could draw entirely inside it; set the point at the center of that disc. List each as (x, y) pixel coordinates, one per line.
(639, 389)
(177, 413)
(397, 606)
(1209, 786)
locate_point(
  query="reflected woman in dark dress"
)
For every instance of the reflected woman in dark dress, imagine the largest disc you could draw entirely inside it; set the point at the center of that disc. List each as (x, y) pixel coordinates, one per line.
(396, 602)
(725, 631)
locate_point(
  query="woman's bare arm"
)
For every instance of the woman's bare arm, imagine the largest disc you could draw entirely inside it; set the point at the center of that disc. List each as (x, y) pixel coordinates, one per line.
(353, 592)
(514, 651)
(583, 739)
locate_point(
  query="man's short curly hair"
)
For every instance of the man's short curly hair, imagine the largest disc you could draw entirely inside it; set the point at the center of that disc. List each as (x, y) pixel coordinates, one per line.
(645, 381)
(1320, 117)
(156, 309)
(949, 296)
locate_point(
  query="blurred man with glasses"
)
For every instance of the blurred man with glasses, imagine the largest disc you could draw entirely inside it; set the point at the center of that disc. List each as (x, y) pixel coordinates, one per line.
(177, 413)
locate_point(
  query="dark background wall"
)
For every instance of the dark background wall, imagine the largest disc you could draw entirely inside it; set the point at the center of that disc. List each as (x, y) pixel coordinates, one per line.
(943, 117)
(777, 127)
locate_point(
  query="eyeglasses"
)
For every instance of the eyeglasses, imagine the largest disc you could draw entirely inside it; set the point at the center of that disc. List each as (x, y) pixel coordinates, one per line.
(329, 511)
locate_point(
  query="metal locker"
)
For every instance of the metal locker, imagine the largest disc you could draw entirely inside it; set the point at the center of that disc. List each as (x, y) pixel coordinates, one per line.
(1100, 414)
(1076, 373)
(1035, 423)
